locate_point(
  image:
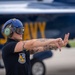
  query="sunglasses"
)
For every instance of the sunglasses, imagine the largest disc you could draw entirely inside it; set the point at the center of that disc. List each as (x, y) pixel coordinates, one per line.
(20, 30)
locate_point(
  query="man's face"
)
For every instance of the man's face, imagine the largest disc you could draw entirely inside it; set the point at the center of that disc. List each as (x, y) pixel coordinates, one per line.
(17, 36)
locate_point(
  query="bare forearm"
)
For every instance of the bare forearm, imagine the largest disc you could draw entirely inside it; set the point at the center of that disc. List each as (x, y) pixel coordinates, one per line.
(50, 47)
(36, 49)
(43, 42)
(30, 44)
(44, 48)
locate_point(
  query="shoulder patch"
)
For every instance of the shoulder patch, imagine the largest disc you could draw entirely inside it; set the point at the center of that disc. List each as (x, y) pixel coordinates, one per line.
(22, 58)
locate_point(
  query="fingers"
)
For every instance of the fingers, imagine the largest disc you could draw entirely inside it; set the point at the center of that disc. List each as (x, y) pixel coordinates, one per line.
(58, 39)
(60, 43)
(66, 39)
(58, 46)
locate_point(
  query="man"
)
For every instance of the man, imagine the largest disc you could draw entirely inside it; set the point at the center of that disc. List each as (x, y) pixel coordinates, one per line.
(16, 53)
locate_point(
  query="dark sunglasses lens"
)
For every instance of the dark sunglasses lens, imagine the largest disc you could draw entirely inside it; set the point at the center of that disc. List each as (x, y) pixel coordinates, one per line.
(20, 30)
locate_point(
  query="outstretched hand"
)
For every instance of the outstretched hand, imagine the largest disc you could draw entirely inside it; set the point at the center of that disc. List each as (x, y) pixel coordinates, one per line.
(66, 39)
(61, 43)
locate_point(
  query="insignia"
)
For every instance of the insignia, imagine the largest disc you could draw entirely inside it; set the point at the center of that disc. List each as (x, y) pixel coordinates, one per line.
(22, 58)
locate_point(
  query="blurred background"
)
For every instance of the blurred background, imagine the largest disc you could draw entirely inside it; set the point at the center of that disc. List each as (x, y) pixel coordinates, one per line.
(43, 19)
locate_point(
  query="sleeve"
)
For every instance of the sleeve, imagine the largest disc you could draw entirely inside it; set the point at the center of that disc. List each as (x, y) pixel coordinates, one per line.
(10, 47)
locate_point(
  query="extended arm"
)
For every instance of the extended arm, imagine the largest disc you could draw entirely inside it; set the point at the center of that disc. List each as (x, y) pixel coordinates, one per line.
(31, 44)
(54, 46)
(47, 47)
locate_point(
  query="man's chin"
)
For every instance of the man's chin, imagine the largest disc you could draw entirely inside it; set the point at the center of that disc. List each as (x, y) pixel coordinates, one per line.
(20, 39)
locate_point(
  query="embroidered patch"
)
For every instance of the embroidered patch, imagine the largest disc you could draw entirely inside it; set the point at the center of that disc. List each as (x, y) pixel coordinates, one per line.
(22, 58)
